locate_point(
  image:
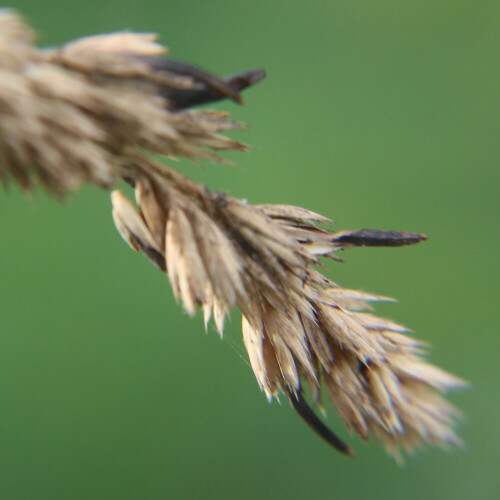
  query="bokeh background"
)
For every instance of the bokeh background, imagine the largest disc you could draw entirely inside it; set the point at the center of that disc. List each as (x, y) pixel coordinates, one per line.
(378, 114)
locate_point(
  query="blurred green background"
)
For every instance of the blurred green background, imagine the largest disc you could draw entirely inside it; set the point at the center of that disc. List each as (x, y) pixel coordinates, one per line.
(378, 114)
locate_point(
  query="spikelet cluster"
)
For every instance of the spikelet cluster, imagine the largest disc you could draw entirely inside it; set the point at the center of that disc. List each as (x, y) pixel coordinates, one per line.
(93, 111)
(76, 114)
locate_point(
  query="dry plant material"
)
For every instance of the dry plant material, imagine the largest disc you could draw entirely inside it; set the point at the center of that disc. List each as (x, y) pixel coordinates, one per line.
(96, 109)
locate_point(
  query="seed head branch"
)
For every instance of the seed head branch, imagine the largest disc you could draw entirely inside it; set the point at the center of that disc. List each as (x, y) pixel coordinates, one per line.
(95, 111)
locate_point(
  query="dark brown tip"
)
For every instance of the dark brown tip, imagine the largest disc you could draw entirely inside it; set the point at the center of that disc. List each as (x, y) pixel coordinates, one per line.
(376, 238)
(205, 87)
(307, 414)
(246, 79)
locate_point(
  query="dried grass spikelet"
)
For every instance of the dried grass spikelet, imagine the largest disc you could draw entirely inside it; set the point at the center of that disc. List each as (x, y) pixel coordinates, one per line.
(298, 326)
(75, 114)
(94, 111)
